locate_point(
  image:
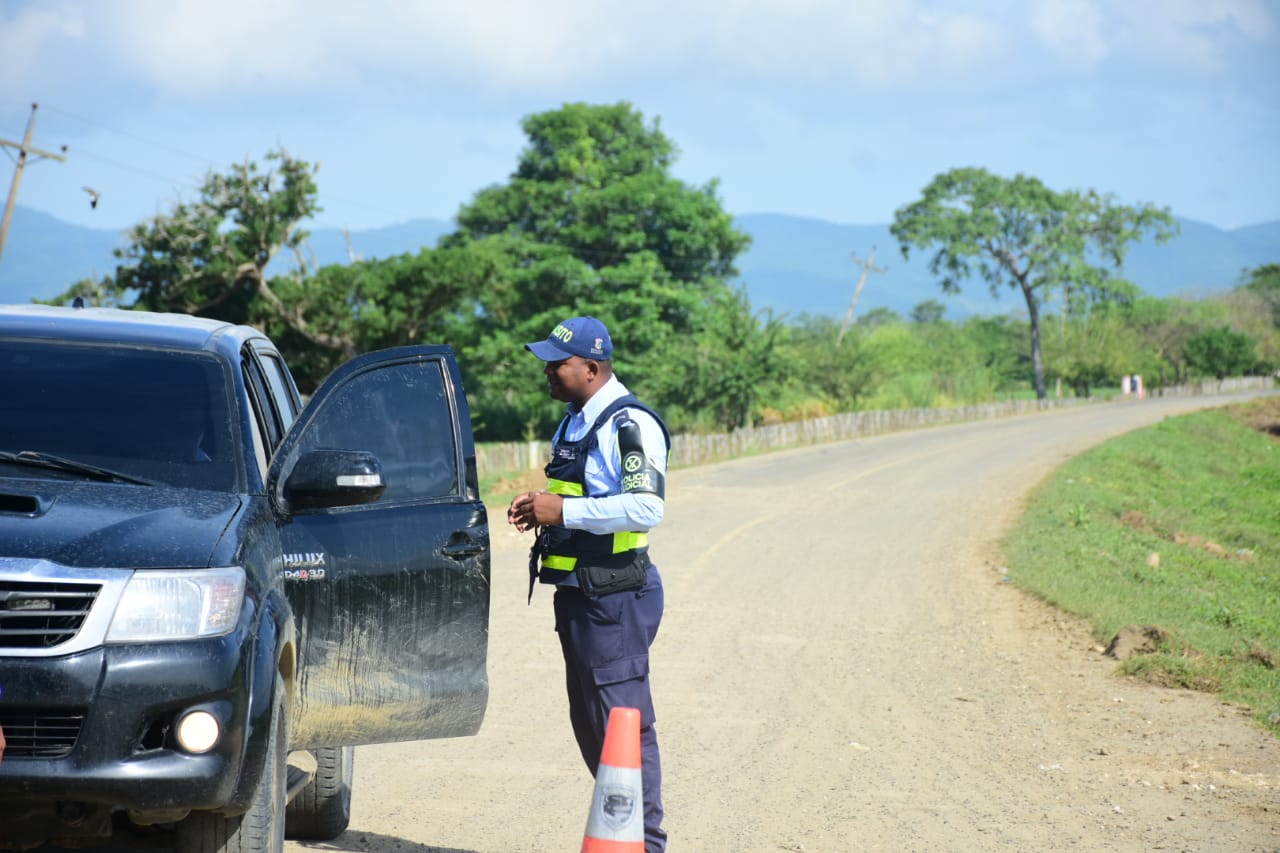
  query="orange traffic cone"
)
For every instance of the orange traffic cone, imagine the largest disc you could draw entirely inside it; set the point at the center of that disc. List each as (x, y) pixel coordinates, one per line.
(616, 821)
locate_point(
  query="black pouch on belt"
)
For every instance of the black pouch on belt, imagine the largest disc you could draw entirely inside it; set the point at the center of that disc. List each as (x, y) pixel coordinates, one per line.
(597, 580)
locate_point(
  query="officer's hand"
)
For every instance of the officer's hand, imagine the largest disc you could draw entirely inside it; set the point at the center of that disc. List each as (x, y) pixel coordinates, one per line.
(534, 508)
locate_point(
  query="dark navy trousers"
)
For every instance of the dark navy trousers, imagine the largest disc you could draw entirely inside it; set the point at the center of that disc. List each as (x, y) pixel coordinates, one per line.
(606, 643)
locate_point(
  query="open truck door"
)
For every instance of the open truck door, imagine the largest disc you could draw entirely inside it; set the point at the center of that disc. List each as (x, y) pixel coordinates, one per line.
(385, 553)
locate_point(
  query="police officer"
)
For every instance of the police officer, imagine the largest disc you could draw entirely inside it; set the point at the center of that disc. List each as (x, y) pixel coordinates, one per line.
(605, 489)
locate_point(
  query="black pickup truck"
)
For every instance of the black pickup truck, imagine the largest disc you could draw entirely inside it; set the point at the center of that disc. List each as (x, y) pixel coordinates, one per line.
(210, 593)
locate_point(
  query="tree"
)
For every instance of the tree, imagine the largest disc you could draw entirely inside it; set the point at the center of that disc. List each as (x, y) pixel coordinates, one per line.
(1162, 327)
(1020, 233)
(209, 257)
(593, 223)
(927, 312)
(1264, 282)
(814, 379)
(878, 317)
(720, 381)
(1254, 308)
(998, 354)
(1221, 353)
(377, 304)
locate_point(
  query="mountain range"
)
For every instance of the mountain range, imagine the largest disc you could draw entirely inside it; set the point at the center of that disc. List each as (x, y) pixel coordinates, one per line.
(794, 266)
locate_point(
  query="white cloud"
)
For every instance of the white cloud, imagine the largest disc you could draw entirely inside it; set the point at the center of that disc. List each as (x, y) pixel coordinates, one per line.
(192, 48)
(24, 35)
(1196, 35)
(412, 104)
(186, 47)
(1072, 29)
(882, 45)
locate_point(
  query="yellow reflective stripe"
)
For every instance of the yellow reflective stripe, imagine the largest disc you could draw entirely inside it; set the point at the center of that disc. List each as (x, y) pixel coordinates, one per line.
(564, 487)
(629, 541)
(555, 561)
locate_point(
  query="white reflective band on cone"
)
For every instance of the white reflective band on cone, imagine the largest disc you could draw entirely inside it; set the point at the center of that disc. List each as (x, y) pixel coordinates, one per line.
(617, 808)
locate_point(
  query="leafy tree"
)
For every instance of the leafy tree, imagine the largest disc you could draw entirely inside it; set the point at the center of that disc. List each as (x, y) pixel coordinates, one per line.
(1020, 233)
(1000, 355)
(1092, 347)
(1254, 309)
(899, 367)
(593, 223)
(814, 378)
(958, 366)
(209, 257)
(1221, 353)
(877, 317)
(100, 292)
(720, 378)
(928, 311)
(1162, 328)
(1264, 282)
(376, 304)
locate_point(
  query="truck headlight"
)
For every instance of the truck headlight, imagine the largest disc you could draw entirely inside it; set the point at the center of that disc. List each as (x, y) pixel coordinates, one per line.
(178, 605)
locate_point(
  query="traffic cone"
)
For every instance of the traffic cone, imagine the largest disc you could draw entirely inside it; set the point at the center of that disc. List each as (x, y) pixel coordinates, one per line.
(616, 821)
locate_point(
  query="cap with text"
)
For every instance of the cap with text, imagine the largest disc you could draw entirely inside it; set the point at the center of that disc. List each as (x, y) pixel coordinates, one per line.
(585, 337)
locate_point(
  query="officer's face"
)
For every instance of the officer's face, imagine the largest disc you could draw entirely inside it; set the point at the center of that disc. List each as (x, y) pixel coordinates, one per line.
(571, 380)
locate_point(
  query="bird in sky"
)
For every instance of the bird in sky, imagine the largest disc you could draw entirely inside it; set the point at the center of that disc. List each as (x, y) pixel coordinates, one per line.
(93, 197)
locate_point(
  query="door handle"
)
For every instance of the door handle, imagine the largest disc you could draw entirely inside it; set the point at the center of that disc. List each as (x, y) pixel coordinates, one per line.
(458, 550)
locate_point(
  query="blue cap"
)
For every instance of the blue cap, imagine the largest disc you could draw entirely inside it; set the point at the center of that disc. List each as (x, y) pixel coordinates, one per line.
(586, 337)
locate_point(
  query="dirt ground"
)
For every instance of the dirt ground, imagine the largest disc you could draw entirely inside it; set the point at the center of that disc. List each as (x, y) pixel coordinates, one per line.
(843, 666)
(1263, 415)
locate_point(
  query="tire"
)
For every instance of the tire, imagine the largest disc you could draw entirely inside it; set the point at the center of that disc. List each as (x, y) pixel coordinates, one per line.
(321, 811)
(261, 828)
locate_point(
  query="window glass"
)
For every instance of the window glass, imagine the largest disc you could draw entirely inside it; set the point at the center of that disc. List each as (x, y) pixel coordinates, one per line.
(281, 387)
(263, 406)
(161, 415)
(401, 413)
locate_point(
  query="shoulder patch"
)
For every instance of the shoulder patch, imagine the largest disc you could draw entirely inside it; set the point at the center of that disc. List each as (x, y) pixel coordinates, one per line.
(637, 474)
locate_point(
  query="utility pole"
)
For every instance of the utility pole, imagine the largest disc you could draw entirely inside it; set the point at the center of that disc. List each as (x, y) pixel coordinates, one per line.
(853, 303)
(23, 150)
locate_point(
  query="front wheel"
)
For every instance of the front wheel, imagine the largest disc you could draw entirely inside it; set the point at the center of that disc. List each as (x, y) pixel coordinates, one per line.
(322, 810)
(261, 828)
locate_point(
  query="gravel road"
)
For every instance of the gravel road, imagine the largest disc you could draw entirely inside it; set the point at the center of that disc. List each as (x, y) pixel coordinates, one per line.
(842, 668)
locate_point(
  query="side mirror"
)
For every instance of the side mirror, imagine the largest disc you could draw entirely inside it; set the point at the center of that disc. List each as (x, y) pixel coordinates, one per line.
(330, 478)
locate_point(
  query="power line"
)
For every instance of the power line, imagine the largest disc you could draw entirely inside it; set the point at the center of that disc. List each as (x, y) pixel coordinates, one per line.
(206, 161)
(144, 140)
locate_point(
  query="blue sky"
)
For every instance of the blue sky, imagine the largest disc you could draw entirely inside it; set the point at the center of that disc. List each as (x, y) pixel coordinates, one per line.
(840, 110)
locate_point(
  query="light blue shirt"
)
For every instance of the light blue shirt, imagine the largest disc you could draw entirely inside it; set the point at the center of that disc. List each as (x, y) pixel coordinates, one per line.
(609, 510)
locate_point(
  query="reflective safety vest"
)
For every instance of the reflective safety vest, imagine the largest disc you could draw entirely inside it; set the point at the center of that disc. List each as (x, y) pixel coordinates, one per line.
(561, 550)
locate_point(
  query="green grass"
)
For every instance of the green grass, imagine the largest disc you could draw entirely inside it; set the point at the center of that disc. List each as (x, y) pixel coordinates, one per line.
(1203, 493)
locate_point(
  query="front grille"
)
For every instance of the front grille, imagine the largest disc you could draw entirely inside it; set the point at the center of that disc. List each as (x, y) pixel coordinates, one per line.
(42, 614)
(40, 733)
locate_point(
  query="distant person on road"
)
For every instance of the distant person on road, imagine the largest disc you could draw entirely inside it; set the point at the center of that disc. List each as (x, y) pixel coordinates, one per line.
(605, 490)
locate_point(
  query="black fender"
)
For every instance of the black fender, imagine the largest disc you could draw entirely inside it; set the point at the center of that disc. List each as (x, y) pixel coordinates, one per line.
(272, 653)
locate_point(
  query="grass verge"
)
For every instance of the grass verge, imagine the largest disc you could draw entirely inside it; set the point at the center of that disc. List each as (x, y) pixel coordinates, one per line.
(1174, 529)
(498, 490)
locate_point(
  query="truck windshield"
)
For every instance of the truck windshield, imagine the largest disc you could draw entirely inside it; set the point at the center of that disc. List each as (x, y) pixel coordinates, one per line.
(160, 416)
